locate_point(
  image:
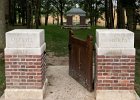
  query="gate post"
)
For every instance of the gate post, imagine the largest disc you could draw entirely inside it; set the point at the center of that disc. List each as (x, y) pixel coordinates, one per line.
(115, 64)
(25, 65)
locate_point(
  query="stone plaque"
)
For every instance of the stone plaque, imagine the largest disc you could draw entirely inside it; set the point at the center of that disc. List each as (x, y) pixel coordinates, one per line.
(114, 38)
(25, 38)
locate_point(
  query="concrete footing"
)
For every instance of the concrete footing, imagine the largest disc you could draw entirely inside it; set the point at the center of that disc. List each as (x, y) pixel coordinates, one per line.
(116, 95)
(26, 94)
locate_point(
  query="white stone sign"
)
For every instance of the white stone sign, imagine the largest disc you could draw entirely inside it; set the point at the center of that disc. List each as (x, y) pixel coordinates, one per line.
(114, 38)
(113, 42)
(25, 42)
(25, 38)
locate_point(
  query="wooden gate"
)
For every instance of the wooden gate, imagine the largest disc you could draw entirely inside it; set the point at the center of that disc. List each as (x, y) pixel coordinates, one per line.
(81, 60)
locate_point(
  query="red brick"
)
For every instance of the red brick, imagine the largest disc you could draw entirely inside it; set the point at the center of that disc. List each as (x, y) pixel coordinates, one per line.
(36, 56)
(23, 77)
(30, 59)
(116, 60)
(107, 60)
(123, 88)
(107, 81)
(22, 59)
(31, 66)
(31, 73)
(99, 60)
(31, 80)
(8, 56)
(9, 76)
(99, 88)
(14, 59)
(125, 60)
(38, 59)
(8, 63)
(131, 56)
(131, 63)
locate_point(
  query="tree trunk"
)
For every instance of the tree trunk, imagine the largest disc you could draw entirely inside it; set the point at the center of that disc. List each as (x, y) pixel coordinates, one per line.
(7, 11)
(61, 15)
(11, 12)
(37, 14)
(130, 18)
(46, 19)
(135, 20)
(120, 15)
(57, 19)
(106, 14)
(95, 20)
(23, 13)
(19, 18)
(29, 14)
(111, 14)
(39, 11)
(2, 24)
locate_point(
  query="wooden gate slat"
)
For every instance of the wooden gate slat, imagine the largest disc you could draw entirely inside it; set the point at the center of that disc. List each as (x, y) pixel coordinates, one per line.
(81, 60)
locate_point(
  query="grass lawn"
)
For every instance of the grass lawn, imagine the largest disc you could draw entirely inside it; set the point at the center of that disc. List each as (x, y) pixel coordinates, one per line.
(57, 38)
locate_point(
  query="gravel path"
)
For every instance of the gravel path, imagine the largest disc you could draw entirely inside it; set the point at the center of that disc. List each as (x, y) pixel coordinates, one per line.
(62, 87)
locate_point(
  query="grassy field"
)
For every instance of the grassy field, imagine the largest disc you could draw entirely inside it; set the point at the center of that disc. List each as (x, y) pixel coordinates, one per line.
(57, 38)
(57, 42)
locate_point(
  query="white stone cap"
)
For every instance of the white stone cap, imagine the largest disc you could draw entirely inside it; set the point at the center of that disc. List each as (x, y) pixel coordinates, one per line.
(25, 51)
(115, 51)
(114, 38)
(25, 38)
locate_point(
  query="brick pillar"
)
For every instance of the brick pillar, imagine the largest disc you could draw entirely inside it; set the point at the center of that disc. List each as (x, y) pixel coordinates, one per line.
(82, 20)
(69, 20)
(115, 65)
(25, 65)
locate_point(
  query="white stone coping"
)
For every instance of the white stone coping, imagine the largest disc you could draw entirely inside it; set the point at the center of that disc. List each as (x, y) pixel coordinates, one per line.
(26, 94)
(115, 51)
(25, 51)
(116, 95)
(25, 38)
(114, 38)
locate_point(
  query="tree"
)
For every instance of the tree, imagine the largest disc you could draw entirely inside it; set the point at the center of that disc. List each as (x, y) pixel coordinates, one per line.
(109, 14)
(29, 13)
(120, 15)
(130, 7)
(94, 9)
(61, 5)
(47, 8)
(2, 24)
(37, 13)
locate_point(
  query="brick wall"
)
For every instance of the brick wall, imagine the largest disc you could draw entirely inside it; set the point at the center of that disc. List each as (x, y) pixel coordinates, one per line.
(25, 71)
(115, 72)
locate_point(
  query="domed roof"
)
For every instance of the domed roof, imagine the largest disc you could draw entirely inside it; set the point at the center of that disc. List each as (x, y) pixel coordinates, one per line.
(76, 11)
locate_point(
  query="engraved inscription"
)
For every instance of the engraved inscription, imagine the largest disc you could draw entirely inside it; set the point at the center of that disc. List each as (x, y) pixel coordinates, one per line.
(116, 40)
(19, 40)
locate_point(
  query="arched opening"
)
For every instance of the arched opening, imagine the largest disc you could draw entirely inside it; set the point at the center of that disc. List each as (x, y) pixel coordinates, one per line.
(75, 20)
